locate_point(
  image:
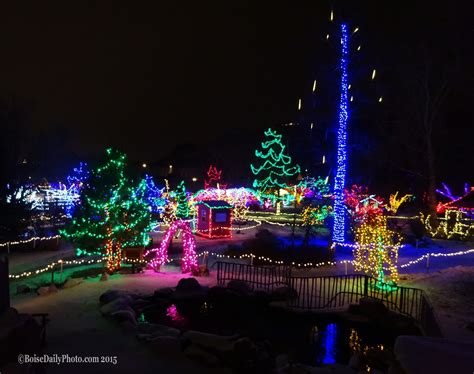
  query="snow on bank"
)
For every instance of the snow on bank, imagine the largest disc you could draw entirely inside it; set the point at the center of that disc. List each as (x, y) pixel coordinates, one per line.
(78, 328)
(451, 292)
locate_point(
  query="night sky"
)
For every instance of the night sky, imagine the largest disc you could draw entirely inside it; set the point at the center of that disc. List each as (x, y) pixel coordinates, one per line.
(148, 75)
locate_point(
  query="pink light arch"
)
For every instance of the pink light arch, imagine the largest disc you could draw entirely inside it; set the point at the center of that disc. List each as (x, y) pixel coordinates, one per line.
(189, 261)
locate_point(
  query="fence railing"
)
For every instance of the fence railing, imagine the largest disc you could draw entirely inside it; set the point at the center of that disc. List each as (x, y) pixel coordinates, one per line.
(264, 277)
(335, 291)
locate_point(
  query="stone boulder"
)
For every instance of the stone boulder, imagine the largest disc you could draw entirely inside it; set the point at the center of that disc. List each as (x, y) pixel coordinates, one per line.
(22, 288)
(423, 354)
(165, 344)
(125, 314)
(188, 286)
(372, 307)
(239, 286)
(163, 293)
(111, 295)
(73, 282)
(188, 291)
(202, 356)
(150, 331)
(210, 342)
(121, 303)
(284, 293)
(43, 291)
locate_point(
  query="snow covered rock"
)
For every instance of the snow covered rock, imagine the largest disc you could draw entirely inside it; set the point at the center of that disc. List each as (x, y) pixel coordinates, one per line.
(73, 282)
(188, 286)
(212, 342)
(111, 295)
(126, 314)
(22, 288)
(284, 294)
(151, 331)
(116, 305)
(239, 286)
(417, 354)
(163, 293)
(165, 344)
(202, 356)
(43, 291)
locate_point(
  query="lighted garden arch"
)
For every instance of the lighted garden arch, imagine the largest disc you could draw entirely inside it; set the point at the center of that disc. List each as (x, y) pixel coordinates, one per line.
(189, 261)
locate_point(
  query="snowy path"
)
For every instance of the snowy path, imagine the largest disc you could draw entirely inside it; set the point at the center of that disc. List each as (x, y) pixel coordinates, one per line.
(78, 328)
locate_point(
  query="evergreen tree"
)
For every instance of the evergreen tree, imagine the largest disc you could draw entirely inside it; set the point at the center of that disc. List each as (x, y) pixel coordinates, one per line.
(113, 213)
(182, 211)
(276, 167)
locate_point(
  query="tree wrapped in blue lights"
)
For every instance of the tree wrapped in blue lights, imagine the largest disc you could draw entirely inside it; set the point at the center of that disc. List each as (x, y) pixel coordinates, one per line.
(154, 195)
(113, 213)
(76, 181)
(276, 167)
(338, 234)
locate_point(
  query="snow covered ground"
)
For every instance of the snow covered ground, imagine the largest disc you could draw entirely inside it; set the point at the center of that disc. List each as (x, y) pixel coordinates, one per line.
(78, 328)
(449, 282)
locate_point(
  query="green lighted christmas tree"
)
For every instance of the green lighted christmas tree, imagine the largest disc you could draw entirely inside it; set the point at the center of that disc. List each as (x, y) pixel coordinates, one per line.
(182, 211)
(113, 213)
(276, 167)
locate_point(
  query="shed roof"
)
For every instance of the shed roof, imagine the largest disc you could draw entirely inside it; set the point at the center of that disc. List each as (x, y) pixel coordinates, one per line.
(216, 204)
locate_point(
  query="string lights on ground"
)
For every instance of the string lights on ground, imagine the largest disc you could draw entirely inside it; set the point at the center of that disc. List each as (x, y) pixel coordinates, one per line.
(50, 266)
(36, 238)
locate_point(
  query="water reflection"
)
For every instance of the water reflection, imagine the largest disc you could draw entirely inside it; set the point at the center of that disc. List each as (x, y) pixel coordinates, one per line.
(173, 314)
(328, 343)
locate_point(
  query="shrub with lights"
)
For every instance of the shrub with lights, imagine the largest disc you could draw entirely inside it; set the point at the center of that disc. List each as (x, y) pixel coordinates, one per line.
(376, 249)
(362, 206)
(113, 213)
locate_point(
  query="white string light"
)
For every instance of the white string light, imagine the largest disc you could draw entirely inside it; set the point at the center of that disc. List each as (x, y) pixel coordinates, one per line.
(36, 238)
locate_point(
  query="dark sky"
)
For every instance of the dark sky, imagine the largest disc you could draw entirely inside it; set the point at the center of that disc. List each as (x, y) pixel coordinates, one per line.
(146, 75)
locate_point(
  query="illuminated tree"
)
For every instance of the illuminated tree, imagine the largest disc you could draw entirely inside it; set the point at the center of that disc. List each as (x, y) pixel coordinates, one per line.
(154, 195)
(276, 167)
(362, 206)
(113, 213)
(182, 211)
(339, 228)
(376, 248)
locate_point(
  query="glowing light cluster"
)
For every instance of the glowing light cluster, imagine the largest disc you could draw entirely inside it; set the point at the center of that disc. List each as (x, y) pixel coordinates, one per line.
(241, 257)
(394, 202)
(213, 179)
(189, 260)
(376, 247)
(452, 225)
(241, 196)
(113, 213)
(50, 266)
(313, 216)
(154, 196)
(182, 211)
(36, 238)
(339, 227)
(361, 206)
(276, 166)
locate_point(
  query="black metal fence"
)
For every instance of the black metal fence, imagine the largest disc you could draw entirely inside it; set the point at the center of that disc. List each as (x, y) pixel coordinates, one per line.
(264, 277)
(335, 291)
(4, 285)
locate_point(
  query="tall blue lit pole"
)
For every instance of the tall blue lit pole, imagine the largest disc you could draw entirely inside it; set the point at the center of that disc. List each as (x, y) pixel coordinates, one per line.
(338, 233)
